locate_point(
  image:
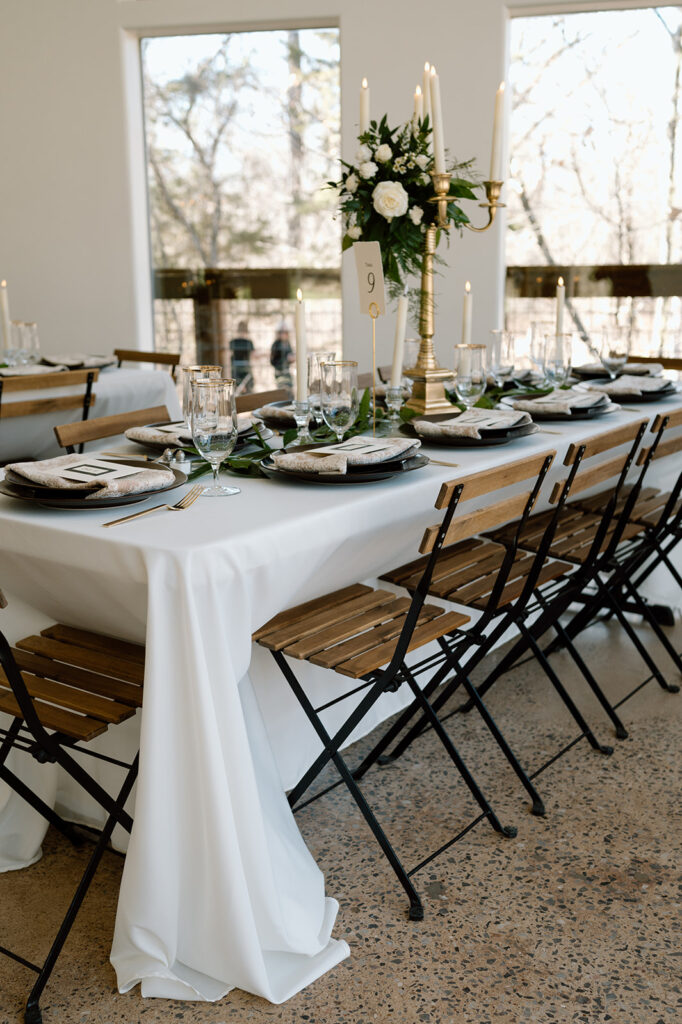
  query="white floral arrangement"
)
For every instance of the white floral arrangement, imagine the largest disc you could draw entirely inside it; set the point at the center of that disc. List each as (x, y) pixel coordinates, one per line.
(384, 195)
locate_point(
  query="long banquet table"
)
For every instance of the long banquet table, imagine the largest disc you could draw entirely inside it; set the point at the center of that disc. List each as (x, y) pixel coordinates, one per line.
(116, 390)
(218, 888)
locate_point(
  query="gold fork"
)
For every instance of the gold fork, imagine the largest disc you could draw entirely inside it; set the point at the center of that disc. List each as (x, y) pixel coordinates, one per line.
(181, 505)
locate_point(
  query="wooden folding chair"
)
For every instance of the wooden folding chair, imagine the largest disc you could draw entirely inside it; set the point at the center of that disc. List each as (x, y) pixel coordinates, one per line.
(365, 634)
(133, 355)
(84, 399)
(70, 435)
(254, 400)
(62, 689)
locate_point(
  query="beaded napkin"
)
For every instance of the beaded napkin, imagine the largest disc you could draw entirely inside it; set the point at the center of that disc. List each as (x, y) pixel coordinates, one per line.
(154, 435)
(339, 458)
(282, 414)
(630, 385)
(49, 473)
(470, 423)
(560, 401)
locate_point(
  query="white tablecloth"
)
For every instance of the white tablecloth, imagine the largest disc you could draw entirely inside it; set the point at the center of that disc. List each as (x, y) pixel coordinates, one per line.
(115, 391)
(218, 888)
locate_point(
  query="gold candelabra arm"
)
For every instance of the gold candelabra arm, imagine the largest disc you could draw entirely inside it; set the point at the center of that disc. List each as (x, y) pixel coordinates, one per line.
(492, 204)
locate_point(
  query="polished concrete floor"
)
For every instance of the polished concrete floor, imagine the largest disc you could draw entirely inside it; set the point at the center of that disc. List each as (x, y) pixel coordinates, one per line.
(576, 919)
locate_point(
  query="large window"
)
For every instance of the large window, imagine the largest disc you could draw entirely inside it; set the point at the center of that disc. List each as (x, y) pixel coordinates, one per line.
(595, 193)
(242, 132)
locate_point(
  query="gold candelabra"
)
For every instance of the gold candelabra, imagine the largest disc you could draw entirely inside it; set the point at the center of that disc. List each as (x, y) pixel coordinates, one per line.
(428, 388)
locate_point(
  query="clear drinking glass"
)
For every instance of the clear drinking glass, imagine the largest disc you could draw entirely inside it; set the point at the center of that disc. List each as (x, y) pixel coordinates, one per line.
(502, 355)
(470, 373)
(339, 395)
(538, 335)
(189, 375)
(613, 346)
(315, 360)
(558, 358)
(214, 427)
(24, 343)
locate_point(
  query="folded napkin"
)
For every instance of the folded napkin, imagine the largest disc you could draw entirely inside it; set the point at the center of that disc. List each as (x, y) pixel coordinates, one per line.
(153, 435)
(29, 369)
(281, 414)
(561, 402)
(641, 369)
(470, 423)
(630, 385)
(338, 458)
(80, 360)
(49, 473)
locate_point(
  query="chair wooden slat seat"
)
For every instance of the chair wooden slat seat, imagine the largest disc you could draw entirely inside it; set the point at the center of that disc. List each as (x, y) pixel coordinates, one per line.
(353, 635)
(575, 533)
(80, 681)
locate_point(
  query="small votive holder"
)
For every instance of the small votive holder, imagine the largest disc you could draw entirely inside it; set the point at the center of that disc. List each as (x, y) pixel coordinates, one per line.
(394, 401)
(302, 417)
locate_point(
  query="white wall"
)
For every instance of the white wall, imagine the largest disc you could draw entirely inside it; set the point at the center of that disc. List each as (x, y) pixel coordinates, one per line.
(72, 225)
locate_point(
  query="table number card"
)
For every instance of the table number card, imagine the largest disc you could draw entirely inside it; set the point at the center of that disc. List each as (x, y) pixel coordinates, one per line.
(370, 276)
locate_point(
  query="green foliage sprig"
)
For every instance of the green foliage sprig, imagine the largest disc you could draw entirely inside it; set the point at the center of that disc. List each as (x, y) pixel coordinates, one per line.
(363, 423)
(401, 156)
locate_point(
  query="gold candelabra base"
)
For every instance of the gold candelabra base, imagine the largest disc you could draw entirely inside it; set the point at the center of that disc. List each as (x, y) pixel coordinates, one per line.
(428, 390)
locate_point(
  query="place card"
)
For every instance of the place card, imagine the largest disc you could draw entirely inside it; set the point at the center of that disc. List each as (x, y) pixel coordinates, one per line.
(357, 446)
(370, 276)
(98, 470)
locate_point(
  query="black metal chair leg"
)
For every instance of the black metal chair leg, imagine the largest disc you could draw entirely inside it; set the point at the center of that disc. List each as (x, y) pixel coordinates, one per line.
(647, 615)
(22, 790)
(538, 806)
(416, 912)
(621, 731)
(508, 831)
(637, 643)
(32, 1014)
(565, 696)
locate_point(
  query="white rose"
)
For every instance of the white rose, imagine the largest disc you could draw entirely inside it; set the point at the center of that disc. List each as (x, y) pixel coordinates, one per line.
(424, 179)
(363, 154)
(390, 199)
(423, 161)
(352, 183)
(354, 231)
(368, 169)
(416, 214)
(383, 153)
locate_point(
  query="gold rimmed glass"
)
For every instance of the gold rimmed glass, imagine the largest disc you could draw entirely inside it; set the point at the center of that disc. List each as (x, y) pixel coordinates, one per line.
(214, 426)
(470, 373)
(189, 374)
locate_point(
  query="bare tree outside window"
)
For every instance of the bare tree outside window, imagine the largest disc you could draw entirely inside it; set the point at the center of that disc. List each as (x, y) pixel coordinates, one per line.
(596, 170)
(242, 129)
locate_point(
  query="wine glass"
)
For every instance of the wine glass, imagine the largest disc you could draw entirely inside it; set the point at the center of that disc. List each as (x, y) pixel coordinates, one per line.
(502, 346)
(339, 395)
(470, 373)
(315, 360)
(24, 342)
(189, 375)
(558, 358)
(538, 334)
(214, 427)
(613, 346)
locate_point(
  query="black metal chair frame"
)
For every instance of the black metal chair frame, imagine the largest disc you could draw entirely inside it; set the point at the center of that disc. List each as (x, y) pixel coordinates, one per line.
(31, 737)
(390, 678)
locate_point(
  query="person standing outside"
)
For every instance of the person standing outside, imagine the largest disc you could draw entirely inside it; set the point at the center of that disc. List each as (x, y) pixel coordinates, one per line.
(282, 356)
(241, 348)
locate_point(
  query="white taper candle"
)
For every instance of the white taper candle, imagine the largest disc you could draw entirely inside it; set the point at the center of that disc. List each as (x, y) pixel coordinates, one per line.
(426, 89)
(399, 342)
(437, 114)
(4, 317)
(498, 126)
(467, 310)
(301, 350)
(560, 299)
(364, 107)
(418, 104)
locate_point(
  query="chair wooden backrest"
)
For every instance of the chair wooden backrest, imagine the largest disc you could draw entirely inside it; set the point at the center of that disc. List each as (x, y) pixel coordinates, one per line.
(133, 355)
(365, 380)
(663, 422)
(579, 452)
(40, 382)
(384, 373)
(246, 403)
(71, 434)
(667, 362)
(489, 517)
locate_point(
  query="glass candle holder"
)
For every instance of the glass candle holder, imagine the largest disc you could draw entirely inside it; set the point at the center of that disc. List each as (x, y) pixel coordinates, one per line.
(302, 416)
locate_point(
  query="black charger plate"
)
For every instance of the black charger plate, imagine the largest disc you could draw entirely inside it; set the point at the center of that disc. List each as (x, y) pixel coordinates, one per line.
(15, 486)
(358, 475)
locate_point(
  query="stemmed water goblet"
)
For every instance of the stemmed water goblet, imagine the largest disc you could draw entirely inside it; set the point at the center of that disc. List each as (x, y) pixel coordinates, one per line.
(613, 348)
(470, 373)
(339, 395)
(214, 427)
(502, 356)
(315, 361)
